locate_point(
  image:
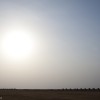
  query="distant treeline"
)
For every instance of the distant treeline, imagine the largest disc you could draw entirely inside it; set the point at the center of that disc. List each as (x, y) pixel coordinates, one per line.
(63, 89)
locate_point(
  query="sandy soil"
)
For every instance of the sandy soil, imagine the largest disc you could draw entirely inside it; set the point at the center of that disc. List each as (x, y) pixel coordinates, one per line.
(49, 95)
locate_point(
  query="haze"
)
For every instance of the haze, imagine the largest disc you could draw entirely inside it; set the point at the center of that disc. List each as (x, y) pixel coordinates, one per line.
(66, 35)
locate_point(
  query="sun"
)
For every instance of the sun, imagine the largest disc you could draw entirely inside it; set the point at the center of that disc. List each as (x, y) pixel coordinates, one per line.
(17, 45)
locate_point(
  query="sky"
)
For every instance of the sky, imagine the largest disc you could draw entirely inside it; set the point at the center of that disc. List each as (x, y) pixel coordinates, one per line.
(65, 38)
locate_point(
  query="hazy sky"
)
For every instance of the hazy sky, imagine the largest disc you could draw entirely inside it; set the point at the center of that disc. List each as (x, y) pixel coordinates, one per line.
(67, 44)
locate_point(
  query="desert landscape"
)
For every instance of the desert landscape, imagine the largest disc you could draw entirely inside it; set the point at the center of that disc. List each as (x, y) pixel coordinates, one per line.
(49, 49)
(51, 94)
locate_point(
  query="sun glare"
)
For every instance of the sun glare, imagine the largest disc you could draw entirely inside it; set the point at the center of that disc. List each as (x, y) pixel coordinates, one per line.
(17, 45)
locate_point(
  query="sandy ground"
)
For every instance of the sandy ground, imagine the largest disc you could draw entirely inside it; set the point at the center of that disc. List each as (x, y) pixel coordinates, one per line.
(48, 95)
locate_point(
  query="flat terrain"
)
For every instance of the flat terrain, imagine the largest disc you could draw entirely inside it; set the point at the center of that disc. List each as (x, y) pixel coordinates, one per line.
(49, 94)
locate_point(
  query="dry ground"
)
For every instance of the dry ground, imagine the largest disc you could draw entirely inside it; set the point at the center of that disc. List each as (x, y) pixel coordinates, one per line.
(49, 95)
